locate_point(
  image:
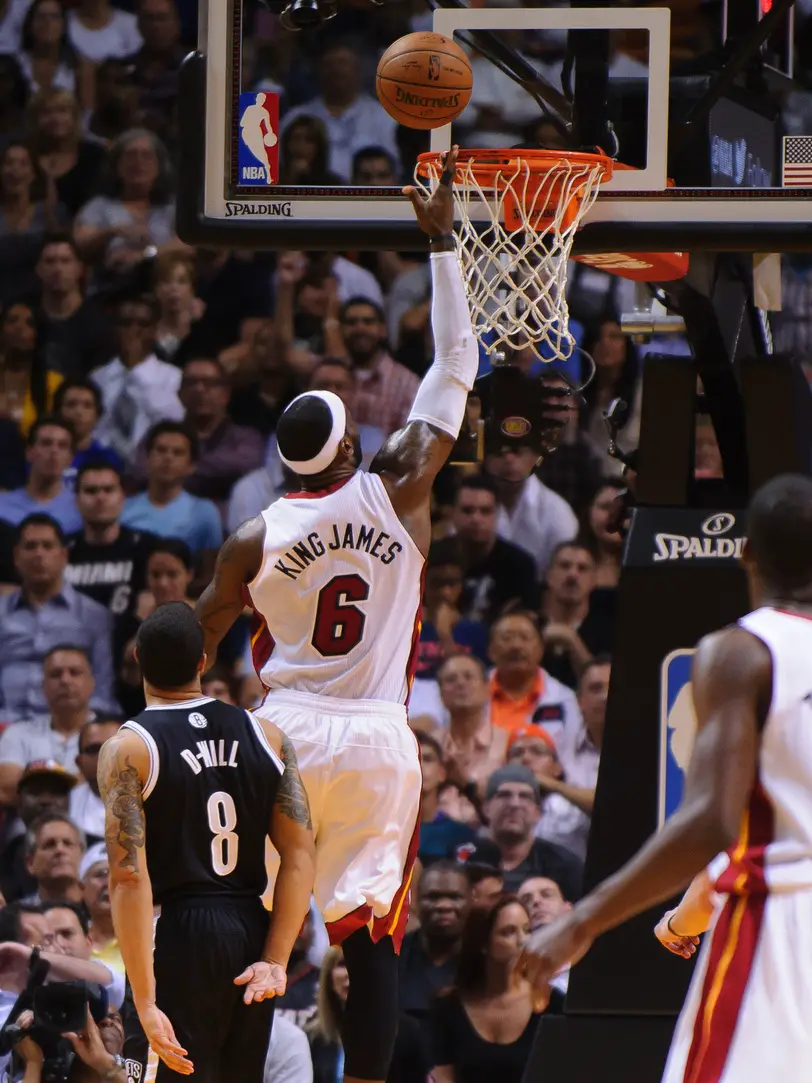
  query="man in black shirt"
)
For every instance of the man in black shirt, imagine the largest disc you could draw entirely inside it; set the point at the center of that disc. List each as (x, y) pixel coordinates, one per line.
(219, 782)
(77, 335)
(579, 620)
(428, 956)
(513, 808)
(107, 561)
(497, 573)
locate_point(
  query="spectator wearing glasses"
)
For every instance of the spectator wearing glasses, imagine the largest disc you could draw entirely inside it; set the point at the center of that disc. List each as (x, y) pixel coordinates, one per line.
(86, 806)
(227, 452)
(513, 808)
(67, 684)
(565, 809)
(137, 388)
(135, 214)
(41, 614)
(79, 403)
(49, 455)
(77, 334)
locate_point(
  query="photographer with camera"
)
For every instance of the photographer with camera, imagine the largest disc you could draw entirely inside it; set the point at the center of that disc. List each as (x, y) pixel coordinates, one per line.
(96, 1053)
(58, 984)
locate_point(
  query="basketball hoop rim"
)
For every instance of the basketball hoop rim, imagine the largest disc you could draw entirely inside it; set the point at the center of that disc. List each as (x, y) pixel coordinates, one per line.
(487, 165)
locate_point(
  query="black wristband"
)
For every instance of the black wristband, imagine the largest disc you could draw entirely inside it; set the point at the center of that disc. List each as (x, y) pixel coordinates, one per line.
(441, 237)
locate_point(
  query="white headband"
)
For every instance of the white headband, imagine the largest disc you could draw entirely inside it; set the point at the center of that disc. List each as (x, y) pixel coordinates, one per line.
(328, 452)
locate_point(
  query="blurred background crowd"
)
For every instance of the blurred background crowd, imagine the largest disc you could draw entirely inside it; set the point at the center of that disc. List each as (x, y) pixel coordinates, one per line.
(140, 384)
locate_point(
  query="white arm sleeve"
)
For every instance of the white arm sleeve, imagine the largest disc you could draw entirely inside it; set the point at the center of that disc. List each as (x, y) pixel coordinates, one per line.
(443, 393)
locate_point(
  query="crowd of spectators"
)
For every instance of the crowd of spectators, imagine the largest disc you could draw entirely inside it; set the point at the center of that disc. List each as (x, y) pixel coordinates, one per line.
(140, 385)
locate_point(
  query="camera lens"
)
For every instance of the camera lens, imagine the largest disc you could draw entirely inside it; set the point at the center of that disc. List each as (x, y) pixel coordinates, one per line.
(301, 15)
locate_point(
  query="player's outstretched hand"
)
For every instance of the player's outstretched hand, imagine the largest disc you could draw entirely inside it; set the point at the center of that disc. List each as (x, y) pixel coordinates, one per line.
(435, 215)
(162, 1040)
(680, 945)
(548, 951)
(262, 981)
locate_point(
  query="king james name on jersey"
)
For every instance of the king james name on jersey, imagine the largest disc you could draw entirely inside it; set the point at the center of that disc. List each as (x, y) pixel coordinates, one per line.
(341, 536)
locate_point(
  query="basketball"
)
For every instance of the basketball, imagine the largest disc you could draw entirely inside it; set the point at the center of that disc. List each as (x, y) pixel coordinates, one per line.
(424, 80)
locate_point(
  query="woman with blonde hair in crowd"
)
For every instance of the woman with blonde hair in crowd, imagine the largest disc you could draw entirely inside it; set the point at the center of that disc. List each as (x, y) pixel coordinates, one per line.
(484, 1027)
(410, 1062)
(174, 288)
(72, 162)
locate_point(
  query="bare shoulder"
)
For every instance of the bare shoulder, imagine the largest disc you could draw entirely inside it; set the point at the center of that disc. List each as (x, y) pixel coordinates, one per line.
(732, 663)
(244, 546)
(411, 449)
(123, 754)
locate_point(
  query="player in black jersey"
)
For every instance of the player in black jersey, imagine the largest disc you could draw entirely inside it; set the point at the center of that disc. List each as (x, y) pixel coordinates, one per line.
(192, 788)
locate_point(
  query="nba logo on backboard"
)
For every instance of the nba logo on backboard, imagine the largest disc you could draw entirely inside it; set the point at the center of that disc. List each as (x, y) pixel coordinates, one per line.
(258, 157)
(677, 729)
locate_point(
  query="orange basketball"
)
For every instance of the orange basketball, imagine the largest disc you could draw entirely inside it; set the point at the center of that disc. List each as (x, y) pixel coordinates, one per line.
(424, 80)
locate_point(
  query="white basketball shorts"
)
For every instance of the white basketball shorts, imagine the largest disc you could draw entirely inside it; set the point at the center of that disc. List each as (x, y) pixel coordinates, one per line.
(360, 765)
(746, 1018)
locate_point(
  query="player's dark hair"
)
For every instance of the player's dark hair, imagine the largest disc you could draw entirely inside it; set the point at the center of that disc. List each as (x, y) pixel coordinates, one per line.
(76, 908)
(304, 428)
(779, 532)
(174, 547)
(169, 646)
(481, 483)
(81, 385)
(94, 465)
(50, 421)
(39, 518)
(360, 300)
(174, 428)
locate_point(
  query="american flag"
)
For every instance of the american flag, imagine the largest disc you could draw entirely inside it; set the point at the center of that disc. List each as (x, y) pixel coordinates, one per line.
(797, 171)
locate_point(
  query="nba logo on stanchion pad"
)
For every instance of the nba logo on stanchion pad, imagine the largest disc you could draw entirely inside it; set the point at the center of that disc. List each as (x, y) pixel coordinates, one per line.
(677, 729)
(258, 158)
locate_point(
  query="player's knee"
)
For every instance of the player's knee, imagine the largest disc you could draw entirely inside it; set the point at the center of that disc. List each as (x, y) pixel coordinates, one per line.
(370, 1022)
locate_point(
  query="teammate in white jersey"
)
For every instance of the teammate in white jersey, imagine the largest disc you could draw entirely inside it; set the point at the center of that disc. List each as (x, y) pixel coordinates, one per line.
(746, 819)
(334, 573)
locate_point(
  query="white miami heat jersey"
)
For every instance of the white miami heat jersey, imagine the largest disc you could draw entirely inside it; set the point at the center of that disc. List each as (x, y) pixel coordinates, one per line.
(337, 598)
(774, 850)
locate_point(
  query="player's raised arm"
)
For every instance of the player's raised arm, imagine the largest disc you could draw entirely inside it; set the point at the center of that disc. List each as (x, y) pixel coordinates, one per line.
(123, 769)
(291, 832)
(238, 562)
(732, 685)
(412, 457)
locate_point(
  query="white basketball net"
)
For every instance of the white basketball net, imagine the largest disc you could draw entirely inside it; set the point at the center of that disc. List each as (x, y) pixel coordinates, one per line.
(516, 278)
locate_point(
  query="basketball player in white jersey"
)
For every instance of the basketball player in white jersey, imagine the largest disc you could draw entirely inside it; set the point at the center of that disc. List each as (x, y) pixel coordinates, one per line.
(334, 572)
(746, 819)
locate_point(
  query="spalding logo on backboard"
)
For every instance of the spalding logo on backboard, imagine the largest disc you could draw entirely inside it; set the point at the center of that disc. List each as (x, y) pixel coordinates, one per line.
(258, 155)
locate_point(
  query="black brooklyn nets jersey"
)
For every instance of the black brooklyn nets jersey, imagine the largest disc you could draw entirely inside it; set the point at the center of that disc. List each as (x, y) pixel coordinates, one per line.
(208, 799)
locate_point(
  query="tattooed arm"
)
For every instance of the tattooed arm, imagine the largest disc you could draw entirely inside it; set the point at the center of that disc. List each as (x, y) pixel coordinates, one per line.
(238, 562)
(123, 768)
(291, 833)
